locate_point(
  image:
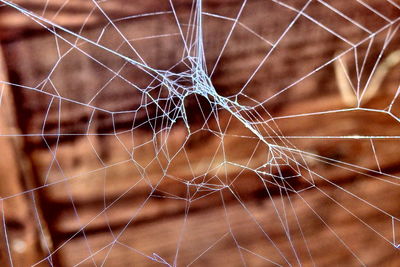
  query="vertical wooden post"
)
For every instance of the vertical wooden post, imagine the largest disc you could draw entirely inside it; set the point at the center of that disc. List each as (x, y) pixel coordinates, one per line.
(20, 241)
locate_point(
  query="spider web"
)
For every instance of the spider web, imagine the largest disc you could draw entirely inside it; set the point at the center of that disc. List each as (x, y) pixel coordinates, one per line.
(238, 125)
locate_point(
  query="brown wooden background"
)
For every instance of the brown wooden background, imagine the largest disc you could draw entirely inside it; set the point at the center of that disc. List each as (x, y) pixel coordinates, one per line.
(74, 200)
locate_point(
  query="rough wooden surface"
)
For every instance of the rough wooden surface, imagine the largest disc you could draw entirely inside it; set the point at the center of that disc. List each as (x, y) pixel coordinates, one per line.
(81, 192)
(18, 236)
(208, 226)
(289, 57)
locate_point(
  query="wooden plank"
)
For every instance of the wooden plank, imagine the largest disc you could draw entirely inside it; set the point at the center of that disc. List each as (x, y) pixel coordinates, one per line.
(207, 231)
(232, 74)
(124, 178)
(20, 242)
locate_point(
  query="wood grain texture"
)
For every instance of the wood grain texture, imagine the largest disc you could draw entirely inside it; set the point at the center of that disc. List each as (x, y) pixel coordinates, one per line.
(19, 239)
(98, 185)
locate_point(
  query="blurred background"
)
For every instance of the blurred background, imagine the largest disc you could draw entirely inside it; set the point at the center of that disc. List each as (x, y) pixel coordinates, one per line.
(203, 133)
